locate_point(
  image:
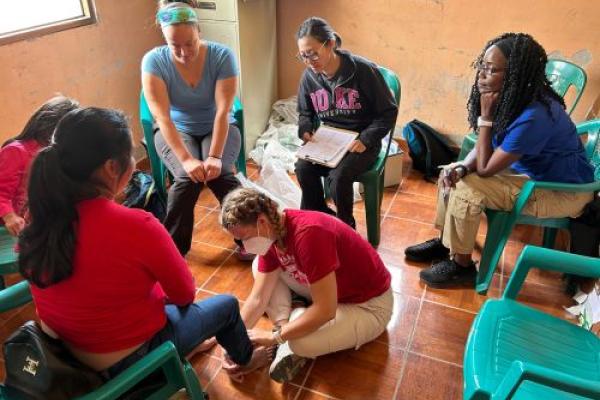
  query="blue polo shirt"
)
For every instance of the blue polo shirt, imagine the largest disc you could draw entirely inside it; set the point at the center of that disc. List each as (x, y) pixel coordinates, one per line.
(548, 143)
(193, 110)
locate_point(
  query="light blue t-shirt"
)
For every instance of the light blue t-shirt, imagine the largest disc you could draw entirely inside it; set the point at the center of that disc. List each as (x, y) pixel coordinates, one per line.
(193, 110)
(548, 143)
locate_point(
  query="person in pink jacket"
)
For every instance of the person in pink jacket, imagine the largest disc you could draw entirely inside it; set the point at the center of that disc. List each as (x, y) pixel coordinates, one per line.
(16, 155)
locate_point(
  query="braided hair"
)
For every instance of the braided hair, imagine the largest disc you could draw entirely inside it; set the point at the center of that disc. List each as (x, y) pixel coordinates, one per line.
(524, 80)
(243, 206)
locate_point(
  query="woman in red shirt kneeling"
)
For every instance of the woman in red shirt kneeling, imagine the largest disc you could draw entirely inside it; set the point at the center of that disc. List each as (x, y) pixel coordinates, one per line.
(108, 280)
(318, 257)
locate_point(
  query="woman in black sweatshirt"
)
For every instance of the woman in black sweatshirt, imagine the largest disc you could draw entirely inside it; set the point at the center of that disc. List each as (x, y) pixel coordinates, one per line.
(345, 91)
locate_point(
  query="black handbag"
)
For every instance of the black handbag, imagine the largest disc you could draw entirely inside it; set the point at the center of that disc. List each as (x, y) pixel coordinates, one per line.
(40, 367)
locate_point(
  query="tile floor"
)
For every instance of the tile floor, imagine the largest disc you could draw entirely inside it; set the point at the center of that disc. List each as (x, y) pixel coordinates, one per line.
(425, 337)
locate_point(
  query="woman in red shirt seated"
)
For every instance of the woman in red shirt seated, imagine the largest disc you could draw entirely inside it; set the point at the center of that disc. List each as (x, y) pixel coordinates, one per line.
(108, 280)
(318, 257)
(16, 155)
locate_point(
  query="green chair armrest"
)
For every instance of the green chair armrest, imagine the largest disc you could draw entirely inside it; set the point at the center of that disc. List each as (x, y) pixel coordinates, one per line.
(15, 296)
(520, 372)
(529, 187)
(551, 260)
(157, 358)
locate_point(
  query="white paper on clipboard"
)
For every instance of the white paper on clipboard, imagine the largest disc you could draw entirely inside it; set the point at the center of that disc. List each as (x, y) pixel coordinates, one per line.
(328, 147)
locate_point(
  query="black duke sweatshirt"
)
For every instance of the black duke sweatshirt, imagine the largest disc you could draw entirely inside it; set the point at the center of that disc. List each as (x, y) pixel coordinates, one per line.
(356, 98)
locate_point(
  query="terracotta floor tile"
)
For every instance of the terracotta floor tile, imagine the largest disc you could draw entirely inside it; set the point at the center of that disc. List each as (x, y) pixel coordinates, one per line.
(206, 368)
(388, 195)
(256, 385)
(417, 381)
(369, 373)
(413, 206)
(402, 322)
(210, 231)
(546, 298)
(233, 277)
(306, 394)
(207, 198)
(415, 184)
(397, 234)
(204, 259)
(512, 251)
(405, 275)
(465, 298)
(200, 212)
(441, 332)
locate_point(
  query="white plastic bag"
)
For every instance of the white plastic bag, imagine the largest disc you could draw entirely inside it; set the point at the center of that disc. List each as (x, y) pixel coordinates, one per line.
(275, 183)
(274, 178)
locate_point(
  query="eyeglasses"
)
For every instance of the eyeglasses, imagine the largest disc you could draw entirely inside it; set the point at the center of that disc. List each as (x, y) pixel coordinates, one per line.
(488, 69)
(313, 56)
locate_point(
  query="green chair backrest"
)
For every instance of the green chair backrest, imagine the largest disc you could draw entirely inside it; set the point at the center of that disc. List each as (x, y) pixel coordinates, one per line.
(592, 145)
(564, 74)
(392, 81)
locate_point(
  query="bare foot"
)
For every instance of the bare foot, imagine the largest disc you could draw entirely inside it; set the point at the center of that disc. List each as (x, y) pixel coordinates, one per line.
(261, 356)
(202, 347)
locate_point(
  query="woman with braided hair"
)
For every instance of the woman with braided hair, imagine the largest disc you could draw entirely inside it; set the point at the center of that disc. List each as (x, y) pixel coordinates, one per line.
(319, 258)
(523, 133)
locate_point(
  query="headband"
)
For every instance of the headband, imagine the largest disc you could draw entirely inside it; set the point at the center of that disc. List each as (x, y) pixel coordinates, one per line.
(176, 15)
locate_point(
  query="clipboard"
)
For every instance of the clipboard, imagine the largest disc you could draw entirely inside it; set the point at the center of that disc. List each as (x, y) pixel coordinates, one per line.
(328, 147)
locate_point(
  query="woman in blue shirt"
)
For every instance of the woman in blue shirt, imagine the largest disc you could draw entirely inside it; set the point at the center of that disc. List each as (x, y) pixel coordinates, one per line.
(523, 133)
(190, 85)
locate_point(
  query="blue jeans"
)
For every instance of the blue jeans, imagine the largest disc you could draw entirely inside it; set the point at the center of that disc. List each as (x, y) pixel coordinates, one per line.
(188, 326)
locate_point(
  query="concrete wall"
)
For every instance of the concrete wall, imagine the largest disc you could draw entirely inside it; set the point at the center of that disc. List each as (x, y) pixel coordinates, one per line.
(431, 44)
(97, 64)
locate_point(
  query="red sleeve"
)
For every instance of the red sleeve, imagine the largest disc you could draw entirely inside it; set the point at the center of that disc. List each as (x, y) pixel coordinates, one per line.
(12, 164)
(316, 252)
(166, 264)
(269, 262)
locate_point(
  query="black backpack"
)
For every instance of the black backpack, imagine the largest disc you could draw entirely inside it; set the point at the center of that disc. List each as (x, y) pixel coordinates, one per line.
(141, 193)
(427, 148)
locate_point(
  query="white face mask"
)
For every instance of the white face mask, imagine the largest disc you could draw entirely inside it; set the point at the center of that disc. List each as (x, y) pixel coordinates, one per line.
(259, 245)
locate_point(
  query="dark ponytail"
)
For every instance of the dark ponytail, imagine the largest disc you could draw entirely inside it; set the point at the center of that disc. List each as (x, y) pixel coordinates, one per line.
(60, 177)
(42, 123)
(320, 30)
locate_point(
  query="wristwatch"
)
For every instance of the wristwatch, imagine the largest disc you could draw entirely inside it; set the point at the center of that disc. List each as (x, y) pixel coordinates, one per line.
(482, 122)
(277, 335)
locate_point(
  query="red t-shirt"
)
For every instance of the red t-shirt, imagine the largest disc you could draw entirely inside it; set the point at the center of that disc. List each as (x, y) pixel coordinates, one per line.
(124, 264)
(317, 244)
(15, 160)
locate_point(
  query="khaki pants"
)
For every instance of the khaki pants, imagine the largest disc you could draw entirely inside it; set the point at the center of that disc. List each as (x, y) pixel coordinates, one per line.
(353, 325)
(459, 219)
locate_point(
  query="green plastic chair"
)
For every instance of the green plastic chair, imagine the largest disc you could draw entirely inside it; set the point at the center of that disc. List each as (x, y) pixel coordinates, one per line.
(516, 352)
(372, 180)
(159, 171)
(562, 75)
(179, 373)
(8, 257)
(501, 223)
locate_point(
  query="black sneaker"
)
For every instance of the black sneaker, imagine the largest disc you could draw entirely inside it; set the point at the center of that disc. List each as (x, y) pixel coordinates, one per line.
(427, 251)
(448, 273)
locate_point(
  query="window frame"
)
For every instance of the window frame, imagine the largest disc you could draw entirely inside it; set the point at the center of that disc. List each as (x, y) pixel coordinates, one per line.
(88, 18)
